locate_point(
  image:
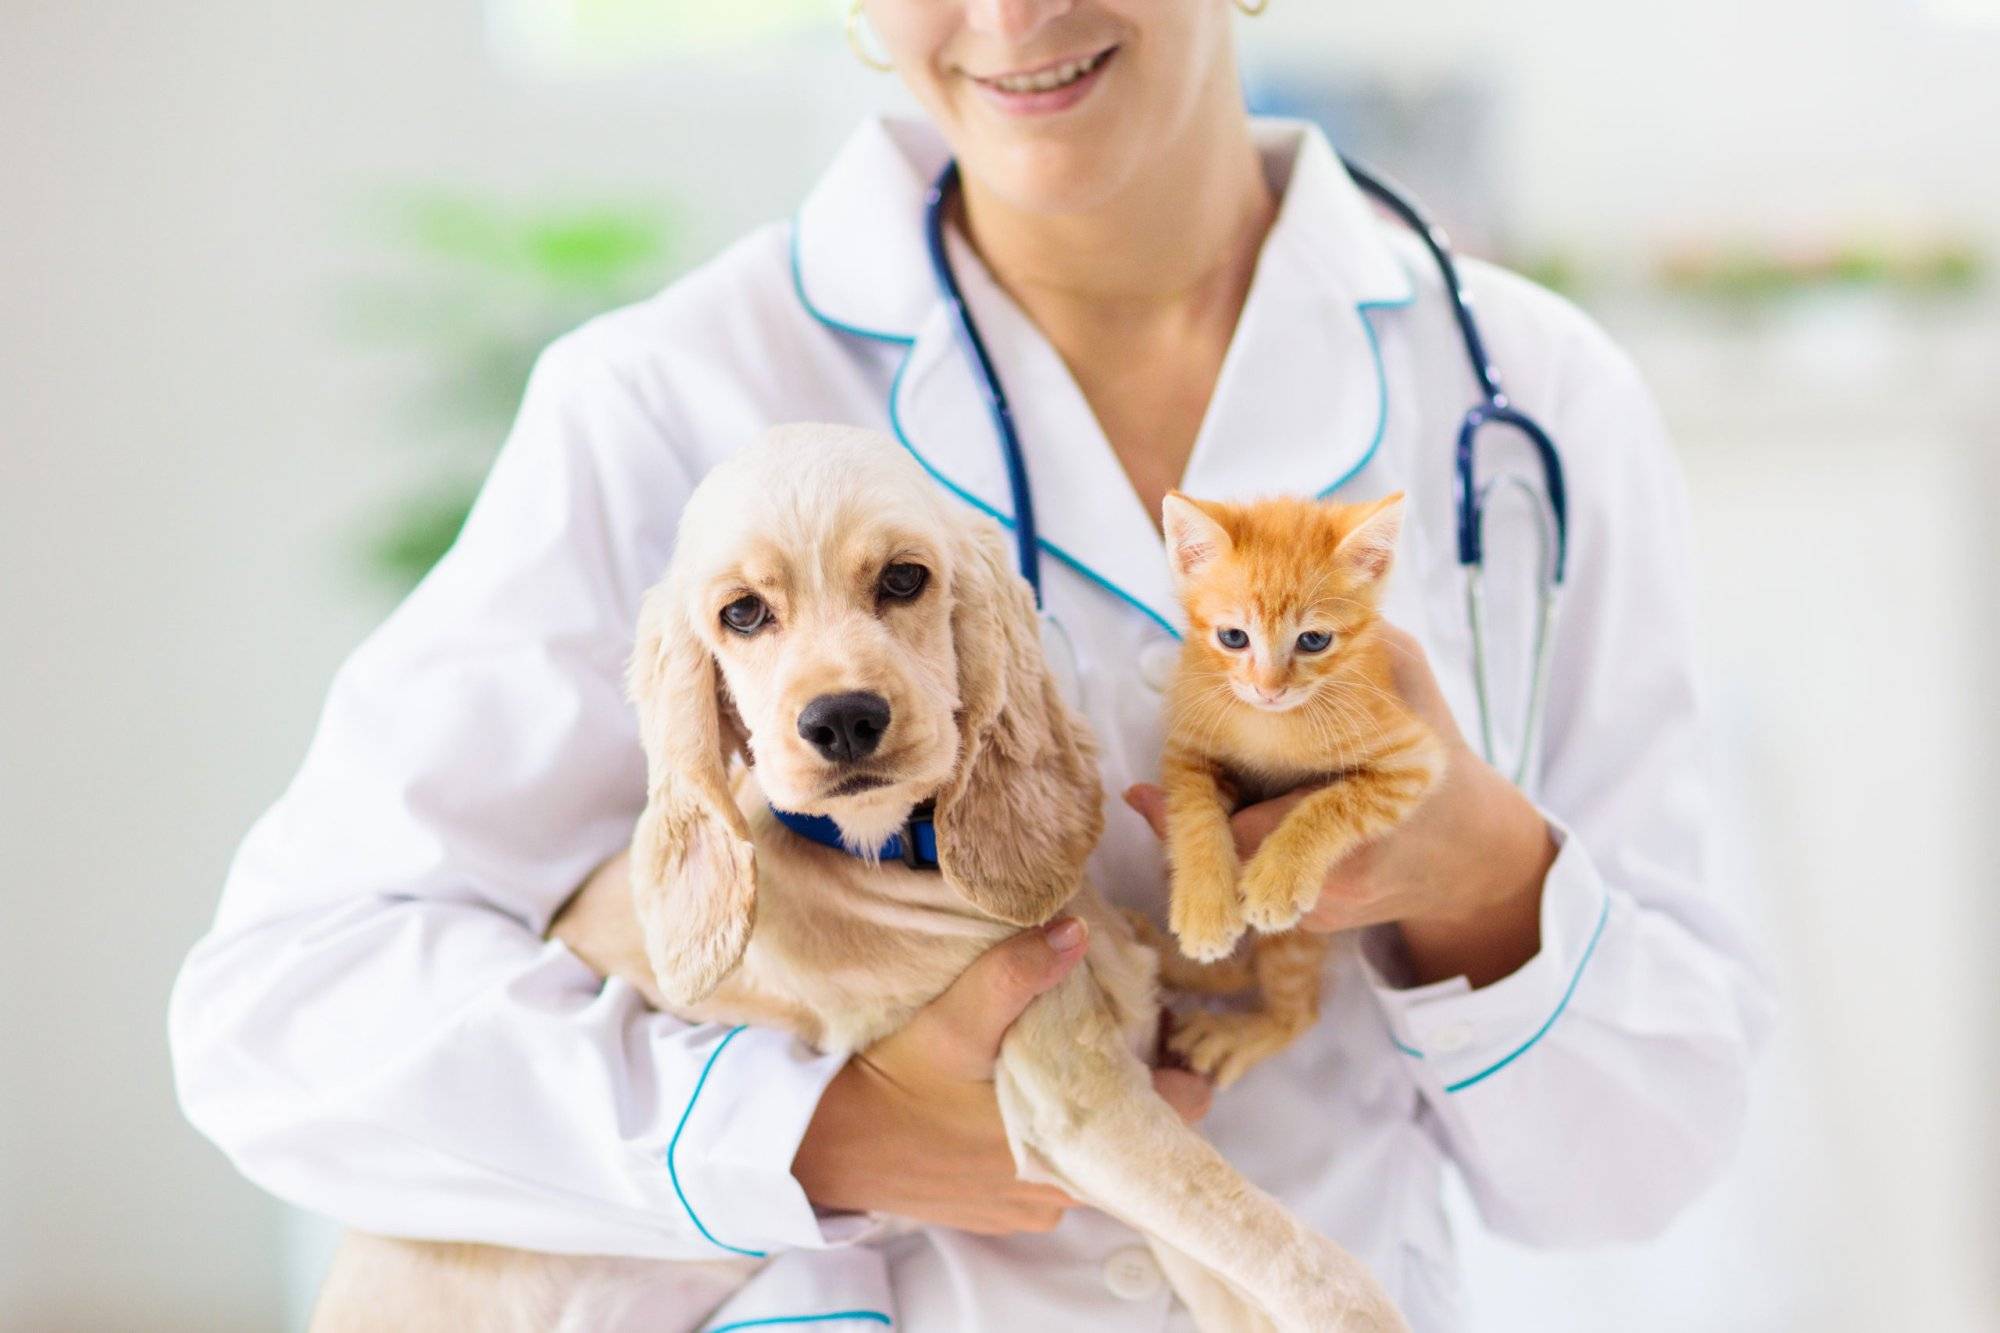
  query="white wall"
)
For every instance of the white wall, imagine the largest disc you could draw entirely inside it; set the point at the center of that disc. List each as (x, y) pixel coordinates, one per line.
(1626, 124)
(1846, 558)
(186, 447)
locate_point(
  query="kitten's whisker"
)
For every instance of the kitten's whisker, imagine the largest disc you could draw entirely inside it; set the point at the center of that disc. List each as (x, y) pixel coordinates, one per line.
(1210, 710)
(1375, 691)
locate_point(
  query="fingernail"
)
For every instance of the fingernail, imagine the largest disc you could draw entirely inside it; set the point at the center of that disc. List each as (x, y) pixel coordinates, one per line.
(1065, 934)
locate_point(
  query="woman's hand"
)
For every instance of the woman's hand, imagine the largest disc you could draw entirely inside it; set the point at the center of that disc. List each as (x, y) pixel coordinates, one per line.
(601, 927)
(1462, 878)
(911, 1126)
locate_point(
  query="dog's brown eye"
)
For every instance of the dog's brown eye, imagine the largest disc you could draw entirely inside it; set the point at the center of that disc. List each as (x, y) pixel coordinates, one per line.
(903, 581)
(746, 615)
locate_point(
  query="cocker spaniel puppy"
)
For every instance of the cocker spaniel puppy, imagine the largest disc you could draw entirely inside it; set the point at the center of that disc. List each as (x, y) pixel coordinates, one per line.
(863, 646)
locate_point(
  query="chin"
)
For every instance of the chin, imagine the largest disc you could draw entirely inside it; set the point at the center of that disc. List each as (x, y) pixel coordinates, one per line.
(1284, 704)
(869, 814)
(868, 819)
(1055, 172)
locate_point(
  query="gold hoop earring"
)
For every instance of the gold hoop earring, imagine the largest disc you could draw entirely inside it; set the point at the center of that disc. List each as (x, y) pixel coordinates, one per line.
(1250, 9)
(855, 42)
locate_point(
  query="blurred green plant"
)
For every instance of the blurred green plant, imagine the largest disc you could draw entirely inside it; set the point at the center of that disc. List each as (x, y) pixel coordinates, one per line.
(1554, 269)
(1754, 275)
(472, 291)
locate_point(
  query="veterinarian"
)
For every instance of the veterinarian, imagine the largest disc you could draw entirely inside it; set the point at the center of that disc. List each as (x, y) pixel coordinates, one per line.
(1545, 989)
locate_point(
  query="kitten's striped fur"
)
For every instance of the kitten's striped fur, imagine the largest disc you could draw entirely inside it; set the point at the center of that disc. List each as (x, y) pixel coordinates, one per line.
(1261, 715)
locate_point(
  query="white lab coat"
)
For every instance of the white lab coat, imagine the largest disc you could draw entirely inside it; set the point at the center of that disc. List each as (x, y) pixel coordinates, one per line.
(376, 1030)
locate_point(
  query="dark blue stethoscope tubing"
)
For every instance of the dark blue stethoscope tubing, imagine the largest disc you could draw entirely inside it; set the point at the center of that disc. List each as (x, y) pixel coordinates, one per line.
(1439, 245)
(1471, 502)
(1025, 537)
(1492, 409)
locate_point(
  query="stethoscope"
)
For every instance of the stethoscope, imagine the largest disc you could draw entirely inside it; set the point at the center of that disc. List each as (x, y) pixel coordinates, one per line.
(1471, 495)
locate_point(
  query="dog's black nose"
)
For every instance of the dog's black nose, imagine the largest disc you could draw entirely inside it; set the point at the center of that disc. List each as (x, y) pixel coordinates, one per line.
(845, 727)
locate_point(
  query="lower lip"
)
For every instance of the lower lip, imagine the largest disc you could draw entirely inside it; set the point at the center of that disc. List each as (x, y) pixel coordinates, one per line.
(1050, 102)
(854, 786)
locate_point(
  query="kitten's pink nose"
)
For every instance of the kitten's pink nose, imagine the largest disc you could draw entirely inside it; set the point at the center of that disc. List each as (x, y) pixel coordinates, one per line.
(1270, 696)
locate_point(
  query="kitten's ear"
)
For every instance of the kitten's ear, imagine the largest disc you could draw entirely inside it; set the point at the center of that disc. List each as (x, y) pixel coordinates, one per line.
(1370, 547)
(1194, 539)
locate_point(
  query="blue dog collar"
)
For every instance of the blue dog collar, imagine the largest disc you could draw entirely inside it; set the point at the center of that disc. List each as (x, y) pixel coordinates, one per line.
(915, 846)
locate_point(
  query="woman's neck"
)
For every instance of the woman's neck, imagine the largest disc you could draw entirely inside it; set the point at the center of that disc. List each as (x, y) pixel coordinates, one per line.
(1141, 296)
(1182, 238)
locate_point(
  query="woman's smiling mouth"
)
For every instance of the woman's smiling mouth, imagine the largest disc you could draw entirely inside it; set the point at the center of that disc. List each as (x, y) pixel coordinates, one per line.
(1051, 88)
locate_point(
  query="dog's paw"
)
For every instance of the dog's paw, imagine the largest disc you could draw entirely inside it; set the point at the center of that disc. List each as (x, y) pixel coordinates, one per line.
(1225, 1047)
(1277, 890)
(1333, 1279)
(1206, 924)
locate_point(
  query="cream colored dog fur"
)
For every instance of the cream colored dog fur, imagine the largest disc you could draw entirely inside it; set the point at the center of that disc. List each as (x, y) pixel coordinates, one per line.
(740, 921)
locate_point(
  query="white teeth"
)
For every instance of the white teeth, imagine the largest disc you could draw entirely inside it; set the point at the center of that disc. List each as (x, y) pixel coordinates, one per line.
(1049, 79)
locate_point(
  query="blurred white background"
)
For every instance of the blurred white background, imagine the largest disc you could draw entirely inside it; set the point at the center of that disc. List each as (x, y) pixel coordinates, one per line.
(1788, 211)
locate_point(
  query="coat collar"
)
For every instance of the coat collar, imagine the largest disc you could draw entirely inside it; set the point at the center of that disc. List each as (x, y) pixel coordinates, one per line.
(1300, 407)
(858, 256)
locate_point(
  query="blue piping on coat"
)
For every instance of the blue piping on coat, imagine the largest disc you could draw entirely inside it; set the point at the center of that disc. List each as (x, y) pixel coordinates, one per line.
(1603, 915)
(799, 286)
(674, 1176)
(864, 1316)
(908, 342)
(1365, 309)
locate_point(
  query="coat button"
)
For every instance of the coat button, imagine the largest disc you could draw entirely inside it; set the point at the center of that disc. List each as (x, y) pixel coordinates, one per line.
(1133, 1275)
(1157, 663)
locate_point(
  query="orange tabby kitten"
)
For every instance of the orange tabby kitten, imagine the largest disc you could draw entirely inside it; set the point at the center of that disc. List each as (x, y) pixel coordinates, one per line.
(1283, 682)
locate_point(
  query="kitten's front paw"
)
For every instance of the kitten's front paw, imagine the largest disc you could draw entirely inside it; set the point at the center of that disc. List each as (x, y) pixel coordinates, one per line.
(1278, 889)
(1225, 1047)
(1206, 924)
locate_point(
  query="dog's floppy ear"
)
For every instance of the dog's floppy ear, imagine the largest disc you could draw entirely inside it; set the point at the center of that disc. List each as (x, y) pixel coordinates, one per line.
(1024, 807)
(694, 873)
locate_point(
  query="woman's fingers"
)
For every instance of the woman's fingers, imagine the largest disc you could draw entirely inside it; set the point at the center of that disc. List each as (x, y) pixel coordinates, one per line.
(1254, 823)
(1048, 1196)
(1186, 1091)
(1410, 666)
(964, 1025)
(1010, 1220)
(1251, 825)
(1151, 803)
(911, 1126)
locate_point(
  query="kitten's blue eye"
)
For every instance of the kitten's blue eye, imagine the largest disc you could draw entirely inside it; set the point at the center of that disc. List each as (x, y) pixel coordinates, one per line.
(1233, 639)
(1314, 641)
